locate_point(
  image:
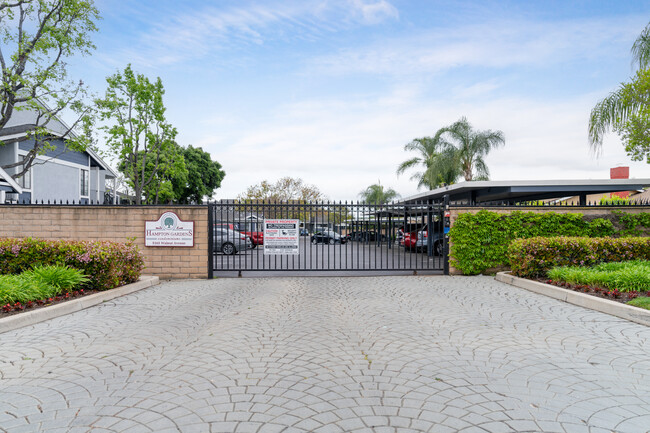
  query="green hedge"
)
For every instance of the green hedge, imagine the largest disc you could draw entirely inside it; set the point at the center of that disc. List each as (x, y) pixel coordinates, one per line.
(480, 241)
(107, 264)
(532, 258)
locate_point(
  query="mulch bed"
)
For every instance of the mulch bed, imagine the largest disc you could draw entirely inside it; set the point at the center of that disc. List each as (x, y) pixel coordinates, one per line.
(17, 308)
(601, 292)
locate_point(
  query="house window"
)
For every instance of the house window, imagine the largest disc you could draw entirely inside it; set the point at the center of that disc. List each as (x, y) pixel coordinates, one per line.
(25, 181)
(85, 178)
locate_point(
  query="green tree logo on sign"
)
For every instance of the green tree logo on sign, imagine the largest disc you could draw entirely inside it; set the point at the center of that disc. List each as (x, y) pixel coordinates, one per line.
(169, 222)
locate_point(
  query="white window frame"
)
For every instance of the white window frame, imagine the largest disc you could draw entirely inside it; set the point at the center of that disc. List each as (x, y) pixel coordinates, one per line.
(81, 185)
(27, 176)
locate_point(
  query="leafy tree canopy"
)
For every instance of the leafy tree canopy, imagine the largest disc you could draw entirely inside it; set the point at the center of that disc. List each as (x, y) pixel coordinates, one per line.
(37, 36)
(204, 176)
(139, 135)
(285, 189)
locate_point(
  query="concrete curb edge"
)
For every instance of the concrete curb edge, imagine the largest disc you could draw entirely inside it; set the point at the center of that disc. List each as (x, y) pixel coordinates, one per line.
(32, 317)
(627, 312)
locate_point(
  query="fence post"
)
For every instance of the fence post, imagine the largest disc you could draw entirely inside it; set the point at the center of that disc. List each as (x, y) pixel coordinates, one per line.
(445, 239)
(211, 208)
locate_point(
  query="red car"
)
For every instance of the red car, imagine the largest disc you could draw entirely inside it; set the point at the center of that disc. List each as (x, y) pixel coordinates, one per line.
(253, 230)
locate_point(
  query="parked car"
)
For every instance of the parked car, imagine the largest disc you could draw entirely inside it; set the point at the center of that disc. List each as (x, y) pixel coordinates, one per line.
(304, 232)
(422, 241)
(252, 229)
(327, 237)
(230, 241)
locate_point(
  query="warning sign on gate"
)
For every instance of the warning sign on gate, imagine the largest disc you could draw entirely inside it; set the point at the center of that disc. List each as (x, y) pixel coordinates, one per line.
(281, 236)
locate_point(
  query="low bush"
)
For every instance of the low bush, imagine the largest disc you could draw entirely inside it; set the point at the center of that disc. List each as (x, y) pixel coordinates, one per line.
(480, 241)
(534, 257)
(632, 276)
(107, 264)
(39, 283)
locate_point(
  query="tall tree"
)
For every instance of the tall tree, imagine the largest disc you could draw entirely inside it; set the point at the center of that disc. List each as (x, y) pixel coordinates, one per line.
(627, 109)
(287, 188)
(376, 193)
(435, 158)
(37, 36)
(170, 177)
(470, 147)
(204, 176)
(140, 134)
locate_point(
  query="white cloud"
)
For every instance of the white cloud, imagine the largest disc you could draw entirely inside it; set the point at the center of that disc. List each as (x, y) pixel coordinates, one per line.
(499, 44)
(374, 12)
(343, 147)
(209, 29)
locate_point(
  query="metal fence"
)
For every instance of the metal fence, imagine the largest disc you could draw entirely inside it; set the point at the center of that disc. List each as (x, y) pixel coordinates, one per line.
(329, 236)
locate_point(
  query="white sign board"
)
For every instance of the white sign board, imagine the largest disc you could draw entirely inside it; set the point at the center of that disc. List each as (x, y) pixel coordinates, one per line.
(169, 231)
(281, 236)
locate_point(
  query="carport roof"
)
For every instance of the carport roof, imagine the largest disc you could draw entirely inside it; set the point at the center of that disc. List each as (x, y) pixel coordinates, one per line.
(525, 190)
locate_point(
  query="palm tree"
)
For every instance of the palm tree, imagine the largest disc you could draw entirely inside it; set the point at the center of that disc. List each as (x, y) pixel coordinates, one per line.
(437, 159)
(377, 194)
(627, 101)
(470, 147)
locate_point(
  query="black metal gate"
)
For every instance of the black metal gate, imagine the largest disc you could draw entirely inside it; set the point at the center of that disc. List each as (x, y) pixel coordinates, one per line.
(325, 236)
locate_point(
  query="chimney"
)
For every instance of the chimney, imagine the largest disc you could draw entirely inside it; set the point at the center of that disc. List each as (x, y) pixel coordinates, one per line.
(620, 173)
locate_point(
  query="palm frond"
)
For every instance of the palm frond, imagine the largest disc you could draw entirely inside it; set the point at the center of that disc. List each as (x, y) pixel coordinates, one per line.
(408, 164)
(607, 113)
(641, 49)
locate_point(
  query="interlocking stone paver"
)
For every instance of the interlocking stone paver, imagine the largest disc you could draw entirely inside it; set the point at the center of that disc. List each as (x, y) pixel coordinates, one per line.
(393, 354)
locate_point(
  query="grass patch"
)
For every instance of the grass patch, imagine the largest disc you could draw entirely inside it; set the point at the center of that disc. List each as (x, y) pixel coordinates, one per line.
(630, 276)
(641, 302)
(42, 282)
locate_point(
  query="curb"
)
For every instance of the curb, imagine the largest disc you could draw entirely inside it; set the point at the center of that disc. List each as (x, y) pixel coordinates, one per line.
(32, 317)
(623, 311)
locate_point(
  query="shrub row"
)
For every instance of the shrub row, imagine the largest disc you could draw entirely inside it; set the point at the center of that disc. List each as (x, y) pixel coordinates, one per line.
(532, 258)
(480, 241)
(107, 264)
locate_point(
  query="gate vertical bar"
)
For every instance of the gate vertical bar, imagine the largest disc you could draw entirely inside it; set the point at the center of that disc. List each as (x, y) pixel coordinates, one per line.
(211, 208)
(445, 238)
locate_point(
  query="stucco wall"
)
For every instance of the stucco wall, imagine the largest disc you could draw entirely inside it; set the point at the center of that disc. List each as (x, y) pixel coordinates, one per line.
(595, 211)
(114, 223)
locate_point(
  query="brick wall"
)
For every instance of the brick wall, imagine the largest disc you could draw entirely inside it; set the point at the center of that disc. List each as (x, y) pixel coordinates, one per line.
(114, 223)
(594, 211)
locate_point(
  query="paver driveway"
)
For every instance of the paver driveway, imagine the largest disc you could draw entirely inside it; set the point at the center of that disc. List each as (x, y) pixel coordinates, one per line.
(382, 354)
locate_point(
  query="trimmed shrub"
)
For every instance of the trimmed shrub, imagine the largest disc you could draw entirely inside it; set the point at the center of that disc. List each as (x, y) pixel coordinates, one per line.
(107, 264)
(532, 258)
(480, 241)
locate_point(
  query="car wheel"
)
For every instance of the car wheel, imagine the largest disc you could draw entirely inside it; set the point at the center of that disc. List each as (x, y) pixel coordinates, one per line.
(314, 241)
(228, 249)
(254, 246)
(331, 241)
(437, 248)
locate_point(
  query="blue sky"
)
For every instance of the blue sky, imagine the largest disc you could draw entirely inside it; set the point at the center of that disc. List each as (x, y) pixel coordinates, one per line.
(331, 90)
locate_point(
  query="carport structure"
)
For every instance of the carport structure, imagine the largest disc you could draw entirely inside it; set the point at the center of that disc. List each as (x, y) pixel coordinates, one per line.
(522, 191)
